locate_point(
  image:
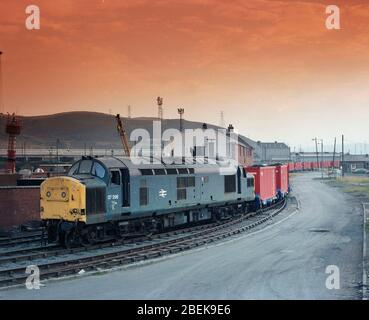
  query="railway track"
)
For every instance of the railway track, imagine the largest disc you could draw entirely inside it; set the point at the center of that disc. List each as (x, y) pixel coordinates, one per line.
(53, 250)
(25, 238)
(160, 245)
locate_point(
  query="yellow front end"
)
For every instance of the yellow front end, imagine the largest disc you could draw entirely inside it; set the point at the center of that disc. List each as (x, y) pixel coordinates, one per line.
(63, 198)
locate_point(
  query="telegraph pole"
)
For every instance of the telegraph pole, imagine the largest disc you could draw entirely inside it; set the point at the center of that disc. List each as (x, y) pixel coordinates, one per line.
(159, 100)
(321, 141)
(129, 115)
(180, 112)
(343, 155)
(317, 154)
(334, 153)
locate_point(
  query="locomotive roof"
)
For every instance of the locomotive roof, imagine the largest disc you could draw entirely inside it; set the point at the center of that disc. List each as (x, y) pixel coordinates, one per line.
(200, 165)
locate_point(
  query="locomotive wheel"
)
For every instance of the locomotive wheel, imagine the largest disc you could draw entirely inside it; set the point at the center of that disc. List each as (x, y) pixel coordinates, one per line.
(71, 239)
(85, 241)
(91, 237)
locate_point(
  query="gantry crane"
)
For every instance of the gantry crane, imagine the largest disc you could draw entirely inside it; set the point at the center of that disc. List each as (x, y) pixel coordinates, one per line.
(123, 136)
(12, 129)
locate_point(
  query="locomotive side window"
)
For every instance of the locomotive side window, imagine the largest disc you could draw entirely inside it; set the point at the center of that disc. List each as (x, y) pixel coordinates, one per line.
(230, 184)
(98, 170)
(115, 177)
(85, 167)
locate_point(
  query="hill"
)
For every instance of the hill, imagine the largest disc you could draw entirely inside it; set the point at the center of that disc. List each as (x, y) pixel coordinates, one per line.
(82, 128)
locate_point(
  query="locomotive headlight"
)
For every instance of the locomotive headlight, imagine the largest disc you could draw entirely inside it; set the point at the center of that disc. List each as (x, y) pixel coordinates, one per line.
(48, 194)
(63, 194)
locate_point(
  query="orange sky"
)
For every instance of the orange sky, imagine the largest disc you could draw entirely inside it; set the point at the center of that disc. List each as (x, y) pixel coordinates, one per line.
(271, 65)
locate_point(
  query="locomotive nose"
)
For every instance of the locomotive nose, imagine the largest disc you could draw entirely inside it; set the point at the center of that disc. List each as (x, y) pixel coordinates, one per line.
(63, 198)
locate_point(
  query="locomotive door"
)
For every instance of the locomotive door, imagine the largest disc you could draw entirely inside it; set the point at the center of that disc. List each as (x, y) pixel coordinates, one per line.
(125, 188)
(114, 195)
(239, 180)
(203, 181)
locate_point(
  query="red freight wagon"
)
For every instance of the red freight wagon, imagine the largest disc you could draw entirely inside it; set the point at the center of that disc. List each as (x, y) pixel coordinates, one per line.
(306, 166)
(281, 177)
(265, 183)
(298, 166)
(291, 167)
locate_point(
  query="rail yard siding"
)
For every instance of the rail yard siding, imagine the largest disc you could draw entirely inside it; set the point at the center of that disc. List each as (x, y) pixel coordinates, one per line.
(18, 205)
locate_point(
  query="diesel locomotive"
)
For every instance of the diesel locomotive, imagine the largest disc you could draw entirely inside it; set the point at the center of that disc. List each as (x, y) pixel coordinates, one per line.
(109, 197)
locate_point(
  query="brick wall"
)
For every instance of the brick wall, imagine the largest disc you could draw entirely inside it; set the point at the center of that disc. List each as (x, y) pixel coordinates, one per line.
(18, 205)
(9, 179)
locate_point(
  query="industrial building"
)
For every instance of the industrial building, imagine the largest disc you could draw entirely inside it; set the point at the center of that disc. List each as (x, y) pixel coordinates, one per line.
(355, 161)
(270, 152)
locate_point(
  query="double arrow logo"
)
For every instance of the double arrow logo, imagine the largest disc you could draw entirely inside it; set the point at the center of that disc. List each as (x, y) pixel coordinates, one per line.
(162, 193)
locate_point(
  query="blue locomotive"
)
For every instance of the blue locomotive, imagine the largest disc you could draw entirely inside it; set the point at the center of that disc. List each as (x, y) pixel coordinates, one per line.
(109, 197)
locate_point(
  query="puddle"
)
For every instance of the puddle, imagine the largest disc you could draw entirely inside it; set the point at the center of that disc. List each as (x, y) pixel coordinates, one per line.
(318, 230)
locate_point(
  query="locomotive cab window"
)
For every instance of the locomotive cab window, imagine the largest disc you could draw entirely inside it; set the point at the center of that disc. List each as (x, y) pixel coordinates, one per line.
(115, 177)
(98, 170)
(85, 167)
(74, 169)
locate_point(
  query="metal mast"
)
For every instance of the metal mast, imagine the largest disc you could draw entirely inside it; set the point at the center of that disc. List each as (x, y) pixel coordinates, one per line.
(123, 136)
(180, 112)
(129, 112)
(334, 153)
(159, 101)
(12, 129)
(317, 154)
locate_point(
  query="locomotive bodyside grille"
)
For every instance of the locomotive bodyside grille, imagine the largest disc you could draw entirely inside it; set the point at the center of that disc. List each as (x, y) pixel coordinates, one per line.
(95, 200)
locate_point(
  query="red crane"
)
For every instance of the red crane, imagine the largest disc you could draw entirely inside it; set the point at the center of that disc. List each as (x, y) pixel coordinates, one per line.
(12, 129)
(123, 136)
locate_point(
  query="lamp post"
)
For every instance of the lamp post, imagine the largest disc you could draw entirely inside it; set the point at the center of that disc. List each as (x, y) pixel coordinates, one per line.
(316, 150)
(321, 143)
(180, 112)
